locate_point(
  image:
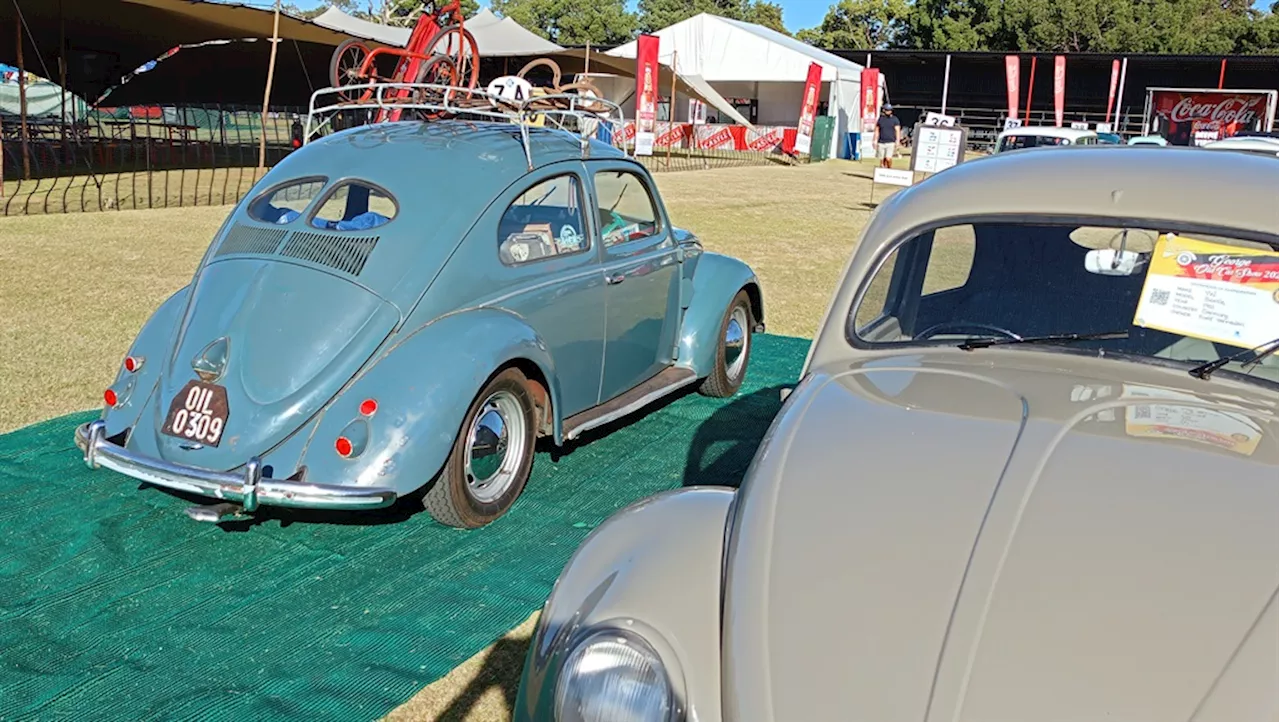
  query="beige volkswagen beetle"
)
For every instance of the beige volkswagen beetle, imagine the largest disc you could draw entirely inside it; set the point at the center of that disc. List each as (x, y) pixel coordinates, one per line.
(1029, 473)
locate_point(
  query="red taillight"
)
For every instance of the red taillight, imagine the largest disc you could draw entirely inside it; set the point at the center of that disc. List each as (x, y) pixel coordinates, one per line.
(342, 446)
(109, 396)
(132, 363)
(368, 406)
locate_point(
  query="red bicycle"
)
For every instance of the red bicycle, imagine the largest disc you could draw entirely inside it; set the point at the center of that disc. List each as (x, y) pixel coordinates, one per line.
(441, 51)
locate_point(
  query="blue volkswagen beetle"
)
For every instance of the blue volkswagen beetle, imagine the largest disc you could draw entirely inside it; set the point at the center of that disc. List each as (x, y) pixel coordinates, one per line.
(404, 308)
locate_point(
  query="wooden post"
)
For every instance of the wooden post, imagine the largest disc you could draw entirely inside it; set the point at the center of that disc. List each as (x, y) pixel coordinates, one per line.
(671, 107)
(22, 103)
(266, 95)
(62, 83)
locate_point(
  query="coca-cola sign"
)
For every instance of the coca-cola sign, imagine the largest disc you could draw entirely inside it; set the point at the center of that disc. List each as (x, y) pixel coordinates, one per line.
(1226, 108)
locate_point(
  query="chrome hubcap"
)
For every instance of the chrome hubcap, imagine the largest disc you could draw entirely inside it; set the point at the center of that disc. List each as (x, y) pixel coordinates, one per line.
(495, 447)
(735, 343)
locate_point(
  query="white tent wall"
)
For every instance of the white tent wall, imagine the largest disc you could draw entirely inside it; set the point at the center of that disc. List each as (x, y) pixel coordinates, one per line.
(744, 60)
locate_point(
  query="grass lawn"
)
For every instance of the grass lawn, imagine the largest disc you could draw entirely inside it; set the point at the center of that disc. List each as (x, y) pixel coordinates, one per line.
(77, 287)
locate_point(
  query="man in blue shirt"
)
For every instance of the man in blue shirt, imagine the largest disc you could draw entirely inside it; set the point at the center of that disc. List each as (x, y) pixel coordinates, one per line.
(888, 136)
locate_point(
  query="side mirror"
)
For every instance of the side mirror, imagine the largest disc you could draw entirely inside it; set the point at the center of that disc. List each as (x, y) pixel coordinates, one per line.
(1112, 262)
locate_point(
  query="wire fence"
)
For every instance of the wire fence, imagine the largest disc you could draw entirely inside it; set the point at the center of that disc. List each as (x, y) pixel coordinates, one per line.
(164, 157)
(140, 157)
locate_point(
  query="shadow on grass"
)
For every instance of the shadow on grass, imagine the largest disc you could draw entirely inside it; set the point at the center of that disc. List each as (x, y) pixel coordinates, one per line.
(501, 670)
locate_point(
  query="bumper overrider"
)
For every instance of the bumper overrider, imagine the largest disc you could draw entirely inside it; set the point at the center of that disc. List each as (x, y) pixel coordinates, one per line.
(247, 489)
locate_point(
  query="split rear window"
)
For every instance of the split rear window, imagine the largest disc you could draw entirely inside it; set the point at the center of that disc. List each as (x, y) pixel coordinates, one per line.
(346, 206)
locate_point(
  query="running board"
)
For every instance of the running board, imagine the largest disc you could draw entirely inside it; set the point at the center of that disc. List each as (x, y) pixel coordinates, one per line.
(663, 384)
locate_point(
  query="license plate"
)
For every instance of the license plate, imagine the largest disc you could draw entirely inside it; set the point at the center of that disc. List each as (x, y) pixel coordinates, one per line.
(198, 413)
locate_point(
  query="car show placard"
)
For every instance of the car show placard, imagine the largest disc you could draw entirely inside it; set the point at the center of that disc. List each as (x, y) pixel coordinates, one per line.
(1211, 291)
(936, 148)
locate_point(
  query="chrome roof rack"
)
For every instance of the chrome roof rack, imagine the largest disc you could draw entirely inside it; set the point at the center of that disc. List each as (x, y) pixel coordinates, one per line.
(580, 115)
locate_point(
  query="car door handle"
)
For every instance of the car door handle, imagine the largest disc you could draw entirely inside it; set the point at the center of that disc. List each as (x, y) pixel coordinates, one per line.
(615, 280)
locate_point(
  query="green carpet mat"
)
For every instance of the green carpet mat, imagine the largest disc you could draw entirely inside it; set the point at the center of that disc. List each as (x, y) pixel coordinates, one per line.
(114, 605)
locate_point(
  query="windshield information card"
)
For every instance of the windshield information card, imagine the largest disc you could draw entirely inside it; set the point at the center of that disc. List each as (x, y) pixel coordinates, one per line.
(1211, 291)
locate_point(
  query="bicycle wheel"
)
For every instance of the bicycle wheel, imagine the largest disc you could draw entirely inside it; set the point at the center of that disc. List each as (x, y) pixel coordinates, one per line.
(344, 68)
(439, 70)
(458, 43)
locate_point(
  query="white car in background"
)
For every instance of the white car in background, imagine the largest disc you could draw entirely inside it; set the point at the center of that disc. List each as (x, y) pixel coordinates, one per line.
(1149, 140)
(1035, 137)
(1264, 144)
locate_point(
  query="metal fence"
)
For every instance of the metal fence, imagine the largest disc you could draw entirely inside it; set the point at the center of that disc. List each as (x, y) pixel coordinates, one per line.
(141, 157)
(165, 157)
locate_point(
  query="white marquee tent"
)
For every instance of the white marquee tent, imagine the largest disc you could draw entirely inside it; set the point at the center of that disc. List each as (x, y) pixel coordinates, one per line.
(744, 60)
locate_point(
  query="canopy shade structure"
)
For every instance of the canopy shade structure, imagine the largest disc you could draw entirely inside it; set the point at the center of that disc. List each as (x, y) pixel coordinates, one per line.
(496, 37)
(107, 39)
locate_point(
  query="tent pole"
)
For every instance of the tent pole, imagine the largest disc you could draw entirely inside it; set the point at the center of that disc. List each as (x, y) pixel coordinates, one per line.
(1031, 86)
(671, 108)
(266, 96)
(946, 81)
(62, 70)
(22, 102)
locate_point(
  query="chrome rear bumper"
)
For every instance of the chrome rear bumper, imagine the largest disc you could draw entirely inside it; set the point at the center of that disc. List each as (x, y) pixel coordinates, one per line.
(248, 488)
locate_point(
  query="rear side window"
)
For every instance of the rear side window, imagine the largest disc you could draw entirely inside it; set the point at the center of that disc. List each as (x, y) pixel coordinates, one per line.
(354, 206)
(545, 221)
(286, 202)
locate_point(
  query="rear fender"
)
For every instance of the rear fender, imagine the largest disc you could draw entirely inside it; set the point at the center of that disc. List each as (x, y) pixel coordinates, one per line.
(716, 280)
(153, 341)
(423, 385)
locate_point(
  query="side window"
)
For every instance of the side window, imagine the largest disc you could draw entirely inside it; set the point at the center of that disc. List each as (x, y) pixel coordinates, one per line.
(545, 221)
(354, 206)
(286, 202)
(627, 213)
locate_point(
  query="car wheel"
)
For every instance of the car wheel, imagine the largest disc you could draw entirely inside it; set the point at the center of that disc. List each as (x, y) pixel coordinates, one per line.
(733, 350)
(491, 458)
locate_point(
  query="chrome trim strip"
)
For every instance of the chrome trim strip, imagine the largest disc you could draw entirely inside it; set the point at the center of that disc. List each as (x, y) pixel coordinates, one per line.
(248, 487)
(639, 403)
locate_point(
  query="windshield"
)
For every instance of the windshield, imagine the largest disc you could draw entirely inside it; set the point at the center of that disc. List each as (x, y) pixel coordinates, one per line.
(1018, 142)
(1151, 293)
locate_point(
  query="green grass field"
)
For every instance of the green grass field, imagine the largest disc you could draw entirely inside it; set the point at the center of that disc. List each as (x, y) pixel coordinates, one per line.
(77, 287)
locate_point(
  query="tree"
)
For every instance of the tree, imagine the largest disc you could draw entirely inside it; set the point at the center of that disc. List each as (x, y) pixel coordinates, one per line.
(860, 24)
(658, 14)
(572, 22)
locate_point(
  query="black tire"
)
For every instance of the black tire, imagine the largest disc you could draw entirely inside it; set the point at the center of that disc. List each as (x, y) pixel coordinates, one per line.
(338, 73)
(726, 376)
(439, 70)
(456, 498)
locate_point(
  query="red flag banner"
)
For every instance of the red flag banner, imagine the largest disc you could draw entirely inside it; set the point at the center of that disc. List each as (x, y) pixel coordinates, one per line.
(1059, 87)
(646, 92)
(1011, 82)
(1111, 94)
(870, 106)
(808, 108)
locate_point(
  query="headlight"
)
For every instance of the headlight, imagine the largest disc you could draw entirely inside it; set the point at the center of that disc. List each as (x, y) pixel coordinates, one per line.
(613, 676)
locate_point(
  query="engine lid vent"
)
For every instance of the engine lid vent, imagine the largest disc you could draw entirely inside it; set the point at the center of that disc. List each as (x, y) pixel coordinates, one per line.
(345, 253)
(248, 239)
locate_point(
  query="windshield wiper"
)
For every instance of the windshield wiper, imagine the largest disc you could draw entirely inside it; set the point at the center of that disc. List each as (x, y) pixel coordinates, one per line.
(1258, 352)
(973, 343)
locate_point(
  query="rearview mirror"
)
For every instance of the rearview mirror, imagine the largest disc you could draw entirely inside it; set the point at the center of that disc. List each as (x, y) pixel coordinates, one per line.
(1112, 262)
